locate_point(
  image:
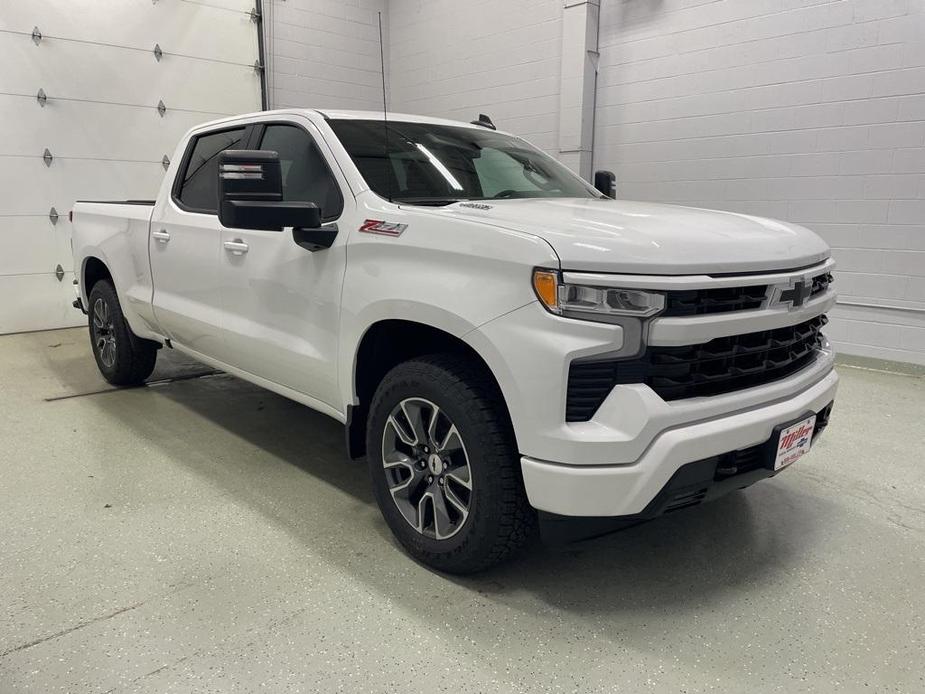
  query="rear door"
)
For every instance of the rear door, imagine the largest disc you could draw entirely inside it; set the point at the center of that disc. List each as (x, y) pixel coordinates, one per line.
(282, 302)
(185, 246)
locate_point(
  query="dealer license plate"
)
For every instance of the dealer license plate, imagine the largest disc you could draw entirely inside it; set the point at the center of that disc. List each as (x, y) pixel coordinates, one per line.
(794, 441)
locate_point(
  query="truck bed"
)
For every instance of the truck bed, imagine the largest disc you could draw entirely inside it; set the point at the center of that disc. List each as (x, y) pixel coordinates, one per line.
(117, 233)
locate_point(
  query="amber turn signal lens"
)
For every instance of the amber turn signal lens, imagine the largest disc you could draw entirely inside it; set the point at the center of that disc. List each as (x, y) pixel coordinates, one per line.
(546, 286)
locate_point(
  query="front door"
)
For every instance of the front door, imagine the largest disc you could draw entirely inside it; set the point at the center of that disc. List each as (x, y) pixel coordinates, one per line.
(185, 248)
(282, 302)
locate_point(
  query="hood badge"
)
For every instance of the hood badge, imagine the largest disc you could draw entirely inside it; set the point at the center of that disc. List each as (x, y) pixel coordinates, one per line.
(378, 226)
(475, 205)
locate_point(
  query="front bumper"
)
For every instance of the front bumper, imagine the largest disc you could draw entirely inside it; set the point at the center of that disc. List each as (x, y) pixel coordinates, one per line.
(691, 484)
(582, 490)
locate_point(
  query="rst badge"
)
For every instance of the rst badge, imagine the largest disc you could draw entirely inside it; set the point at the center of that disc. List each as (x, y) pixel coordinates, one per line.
(377, 226)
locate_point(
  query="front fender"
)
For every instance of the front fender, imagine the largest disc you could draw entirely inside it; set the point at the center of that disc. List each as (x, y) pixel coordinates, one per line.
(449, 274)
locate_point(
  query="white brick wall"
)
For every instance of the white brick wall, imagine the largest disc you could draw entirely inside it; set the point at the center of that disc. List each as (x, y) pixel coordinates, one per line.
(459, 58)
(324, 53)
(808, 110)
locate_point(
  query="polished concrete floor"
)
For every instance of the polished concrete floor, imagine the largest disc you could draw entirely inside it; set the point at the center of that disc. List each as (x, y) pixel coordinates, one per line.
(204, 535)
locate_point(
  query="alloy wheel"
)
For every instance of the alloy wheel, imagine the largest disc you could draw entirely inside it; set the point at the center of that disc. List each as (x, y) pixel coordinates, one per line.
(427, 468)
(104, 337)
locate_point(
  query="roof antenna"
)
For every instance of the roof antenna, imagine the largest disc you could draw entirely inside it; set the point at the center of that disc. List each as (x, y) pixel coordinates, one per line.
(484, 121)
(385, 119)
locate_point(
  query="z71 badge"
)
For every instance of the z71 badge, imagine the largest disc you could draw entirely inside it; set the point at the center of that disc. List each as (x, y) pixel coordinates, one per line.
(377, 226)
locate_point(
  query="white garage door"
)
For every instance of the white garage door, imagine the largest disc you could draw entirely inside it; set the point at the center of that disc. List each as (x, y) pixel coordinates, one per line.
(83, 90)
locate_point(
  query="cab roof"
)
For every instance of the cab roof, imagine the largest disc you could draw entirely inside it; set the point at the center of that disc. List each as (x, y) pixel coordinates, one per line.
(339, 114)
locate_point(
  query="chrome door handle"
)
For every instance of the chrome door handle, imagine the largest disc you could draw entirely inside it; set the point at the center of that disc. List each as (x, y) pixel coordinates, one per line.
(237, 247)
(161, 235)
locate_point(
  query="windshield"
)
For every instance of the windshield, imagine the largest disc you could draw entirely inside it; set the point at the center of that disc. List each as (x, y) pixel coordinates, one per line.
(428, 164)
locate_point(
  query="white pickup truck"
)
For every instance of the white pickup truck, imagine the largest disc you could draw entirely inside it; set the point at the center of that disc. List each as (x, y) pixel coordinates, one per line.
(505, 343)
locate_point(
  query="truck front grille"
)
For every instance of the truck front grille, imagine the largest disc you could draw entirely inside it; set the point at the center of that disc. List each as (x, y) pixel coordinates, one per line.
(698, 302)
(694, 302)
(722, 365)
(821, 283)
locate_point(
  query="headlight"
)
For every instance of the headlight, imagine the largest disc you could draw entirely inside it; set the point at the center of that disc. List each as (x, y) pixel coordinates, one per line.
(593, 303)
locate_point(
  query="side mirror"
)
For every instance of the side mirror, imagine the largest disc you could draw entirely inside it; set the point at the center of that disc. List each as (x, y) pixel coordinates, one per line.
(606, 183)
(250, 190)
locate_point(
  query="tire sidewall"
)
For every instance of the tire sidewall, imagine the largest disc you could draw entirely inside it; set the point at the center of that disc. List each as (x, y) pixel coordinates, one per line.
(484, 512)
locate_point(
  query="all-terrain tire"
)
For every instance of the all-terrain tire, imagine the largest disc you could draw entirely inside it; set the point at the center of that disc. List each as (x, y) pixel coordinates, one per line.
(123, 358)
(499, 518)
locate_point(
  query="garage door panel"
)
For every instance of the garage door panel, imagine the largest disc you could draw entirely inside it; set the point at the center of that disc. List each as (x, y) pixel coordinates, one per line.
(32, 188)
(205, 30)
(41, 302)
(94, 130)
(82, 71)
(102, 82)
(35, 242)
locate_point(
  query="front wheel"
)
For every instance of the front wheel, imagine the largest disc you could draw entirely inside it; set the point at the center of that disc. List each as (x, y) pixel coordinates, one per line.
(123, 358)
(444, 465)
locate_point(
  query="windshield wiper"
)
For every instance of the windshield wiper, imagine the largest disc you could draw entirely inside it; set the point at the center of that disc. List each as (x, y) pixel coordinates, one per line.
(432, 202)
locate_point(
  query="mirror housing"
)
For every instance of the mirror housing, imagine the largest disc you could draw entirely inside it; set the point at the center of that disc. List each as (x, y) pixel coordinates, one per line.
(315, 239)
(250, 190)
(606, 182)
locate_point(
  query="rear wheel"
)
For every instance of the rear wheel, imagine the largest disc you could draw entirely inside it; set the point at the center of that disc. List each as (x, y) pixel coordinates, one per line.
(123, 358)
(444, 464)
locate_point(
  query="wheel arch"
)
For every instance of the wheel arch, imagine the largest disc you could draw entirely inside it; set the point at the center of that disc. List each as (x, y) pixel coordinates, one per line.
(385, 344)
(94, 269)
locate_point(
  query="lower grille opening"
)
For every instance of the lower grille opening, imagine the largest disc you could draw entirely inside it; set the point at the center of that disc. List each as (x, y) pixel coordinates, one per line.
(685, 500)
(723, 365)
(737, 462)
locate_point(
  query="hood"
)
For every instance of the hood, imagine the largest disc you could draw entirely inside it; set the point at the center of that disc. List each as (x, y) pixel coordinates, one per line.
(651, 238)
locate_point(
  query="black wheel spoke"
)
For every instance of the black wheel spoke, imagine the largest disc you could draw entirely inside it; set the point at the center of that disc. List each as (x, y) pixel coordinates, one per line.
(415, 412)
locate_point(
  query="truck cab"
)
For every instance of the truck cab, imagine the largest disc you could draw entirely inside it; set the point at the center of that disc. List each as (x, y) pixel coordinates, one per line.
(505, 344)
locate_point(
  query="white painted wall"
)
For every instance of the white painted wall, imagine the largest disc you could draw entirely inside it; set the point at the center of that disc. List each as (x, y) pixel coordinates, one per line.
(96, 64)
(325, 53)
(459, 58)
(811, 111)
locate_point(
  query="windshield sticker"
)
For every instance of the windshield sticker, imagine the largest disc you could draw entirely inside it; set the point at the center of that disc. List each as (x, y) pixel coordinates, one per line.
(377, 226)
(475, 205)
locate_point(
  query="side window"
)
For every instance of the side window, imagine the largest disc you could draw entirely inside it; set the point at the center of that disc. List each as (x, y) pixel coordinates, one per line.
(306, 176)
(199, 187)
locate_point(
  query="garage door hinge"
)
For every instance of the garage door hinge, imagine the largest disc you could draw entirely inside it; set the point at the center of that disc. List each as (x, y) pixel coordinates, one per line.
(47, 156)
(158, 53)
(53, 215)
(41, 97)
(165, 162)
(255, 16)
(258, 67)
(59, 272)
(36, 35)
(161, 108)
